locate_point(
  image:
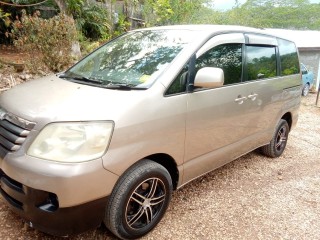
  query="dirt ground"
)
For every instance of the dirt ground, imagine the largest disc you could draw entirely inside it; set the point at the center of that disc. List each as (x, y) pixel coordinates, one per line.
(254, 197)
(12, 67)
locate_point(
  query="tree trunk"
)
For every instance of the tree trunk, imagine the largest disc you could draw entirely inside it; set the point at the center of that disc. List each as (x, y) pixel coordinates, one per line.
(62, 5)
(75, 50)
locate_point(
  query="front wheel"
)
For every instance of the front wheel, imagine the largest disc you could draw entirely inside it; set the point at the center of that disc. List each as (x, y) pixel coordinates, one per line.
(279, 140)
(139, 200)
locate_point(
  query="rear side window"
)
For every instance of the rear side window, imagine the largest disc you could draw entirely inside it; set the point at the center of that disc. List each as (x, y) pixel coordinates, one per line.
(226, 56)
(261, 62)
(288, 58)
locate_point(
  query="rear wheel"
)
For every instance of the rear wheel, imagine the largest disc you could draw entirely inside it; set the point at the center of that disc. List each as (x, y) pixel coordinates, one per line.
(279, 140)
(305, 89)
(139, 200)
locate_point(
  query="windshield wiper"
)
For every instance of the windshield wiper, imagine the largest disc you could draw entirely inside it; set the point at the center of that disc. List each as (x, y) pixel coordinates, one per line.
(81, 79)
(122, 87)
(117, 86)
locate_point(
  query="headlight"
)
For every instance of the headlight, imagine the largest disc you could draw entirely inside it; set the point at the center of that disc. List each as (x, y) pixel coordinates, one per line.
(72, 142)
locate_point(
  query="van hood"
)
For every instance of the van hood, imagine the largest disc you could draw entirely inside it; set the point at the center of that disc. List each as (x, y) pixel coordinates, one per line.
(51, 99)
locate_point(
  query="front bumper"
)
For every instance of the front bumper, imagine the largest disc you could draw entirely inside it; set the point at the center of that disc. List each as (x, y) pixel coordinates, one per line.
(73, 184)
(59, 199)
(41, 209)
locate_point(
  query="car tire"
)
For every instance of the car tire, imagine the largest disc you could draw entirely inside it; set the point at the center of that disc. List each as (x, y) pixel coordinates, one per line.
(279, 140)
(305, 90)
(139, 200)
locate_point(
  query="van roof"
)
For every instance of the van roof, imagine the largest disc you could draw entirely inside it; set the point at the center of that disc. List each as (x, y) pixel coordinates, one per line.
(211, 29)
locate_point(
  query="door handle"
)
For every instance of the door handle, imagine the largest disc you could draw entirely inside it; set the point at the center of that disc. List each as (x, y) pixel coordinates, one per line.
(240, 99)
(253, 96)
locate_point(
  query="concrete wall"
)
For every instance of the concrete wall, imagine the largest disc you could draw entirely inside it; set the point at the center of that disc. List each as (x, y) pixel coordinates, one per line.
(311, 58)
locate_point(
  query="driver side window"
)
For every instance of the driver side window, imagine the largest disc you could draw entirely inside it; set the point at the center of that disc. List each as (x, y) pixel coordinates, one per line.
(179, 85)
(228, 57)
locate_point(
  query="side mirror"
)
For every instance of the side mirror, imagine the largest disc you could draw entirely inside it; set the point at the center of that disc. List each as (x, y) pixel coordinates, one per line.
(209, 77)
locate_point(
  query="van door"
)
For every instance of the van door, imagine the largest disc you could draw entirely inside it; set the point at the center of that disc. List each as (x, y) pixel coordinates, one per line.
(264, 89)
(217, 119)
(226, 122)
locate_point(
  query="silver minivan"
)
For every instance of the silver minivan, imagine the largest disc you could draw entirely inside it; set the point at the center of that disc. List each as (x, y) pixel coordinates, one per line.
(108, 140)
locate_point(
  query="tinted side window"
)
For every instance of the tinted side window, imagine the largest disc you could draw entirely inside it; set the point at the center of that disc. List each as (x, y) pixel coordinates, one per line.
(226, 56)
(180, 83)
(261, 62)
(288, 57)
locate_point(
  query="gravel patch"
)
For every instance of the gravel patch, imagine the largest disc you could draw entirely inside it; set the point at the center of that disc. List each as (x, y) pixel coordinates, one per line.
(253, 197)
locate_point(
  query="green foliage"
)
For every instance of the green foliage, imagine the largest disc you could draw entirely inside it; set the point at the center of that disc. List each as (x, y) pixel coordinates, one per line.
(185, 11)
(289, 14)
(49, 41)
(121, 26)
(74, 7)
(88, 46)
(92, 19)
(5, 22)
(166, 12)
(3, 15)
(93, 22)
(162, 10)
(5, 19)
(157, 12)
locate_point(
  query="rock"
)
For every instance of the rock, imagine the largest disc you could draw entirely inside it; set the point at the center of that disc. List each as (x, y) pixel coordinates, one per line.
(42, 73)
(75, 50)
(19, 67)
(22, 77)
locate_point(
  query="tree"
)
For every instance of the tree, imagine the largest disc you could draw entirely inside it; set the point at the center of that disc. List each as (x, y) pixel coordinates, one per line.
(291, 14)
(62, 4)
(186, 11)
(165, 12)
(3, 15)
(70, 7)
(288, 14)
(157, 12)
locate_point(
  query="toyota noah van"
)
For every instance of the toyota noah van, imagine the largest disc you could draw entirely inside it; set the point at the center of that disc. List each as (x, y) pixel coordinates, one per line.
(108, 140)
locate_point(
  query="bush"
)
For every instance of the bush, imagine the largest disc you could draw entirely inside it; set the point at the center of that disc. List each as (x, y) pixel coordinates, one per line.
(87, 46)
(48, 41)
(121, 26)
(94, 22)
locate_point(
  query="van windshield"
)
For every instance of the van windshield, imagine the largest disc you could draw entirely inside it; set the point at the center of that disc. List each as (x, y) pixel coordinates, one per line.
(133, 60)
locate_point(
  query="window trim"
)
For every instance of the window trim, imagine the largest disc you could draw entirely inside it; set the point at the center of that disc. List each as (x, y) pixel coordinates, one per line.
(249, 38)
(279, 40)
(246, 78)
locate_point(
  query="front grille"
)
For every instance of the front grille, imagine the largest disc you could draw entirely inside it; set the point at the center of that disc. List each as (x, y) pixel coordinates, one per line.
(23, 198)
(11, 191)
(12, 136)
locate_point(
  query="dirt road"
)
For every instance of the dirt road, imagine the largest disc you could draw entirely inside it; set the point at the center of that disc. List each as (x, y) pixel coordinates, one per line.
(253, 197)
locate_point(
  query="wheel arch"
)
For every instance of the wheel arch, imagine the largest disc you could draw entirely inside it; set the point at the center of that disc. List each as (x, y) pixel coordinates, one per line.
(169, 163)
(288, 118)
